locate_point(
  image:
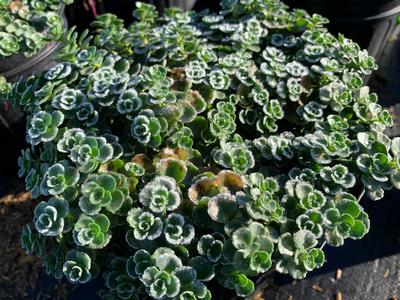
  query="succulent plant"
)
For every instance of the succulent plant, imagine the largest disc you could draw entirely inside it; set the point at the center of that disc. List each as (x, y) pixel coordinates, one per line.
(235, 156)
(54, 264)
(60, 180)
(177, 231)
(346, 219)
(298, 253)
(222, 120)
(32, 242)
(107, 191)
(50, 216)
(201, 147)
(337, 177)
(43, 126)
(219, 80)
(146, 128)
(119, 283)
(260, 199)
(311, 220)
(92, 231)
(129, 102)
(71, 138)
(90, 152)
(58, 72)
(305, 194)
(144, 224)
(77, 267)
(5, 87)
(211, 245)
(161, 279)
(68, 99)
(160, 195)
(252, 249)
(278, 147)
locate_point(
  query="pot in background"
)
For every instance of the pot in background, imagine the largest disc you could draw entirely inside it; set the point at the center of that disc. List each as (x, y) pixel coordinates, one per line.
(370, 23)
(123, 8)
(18, 66)
(184, 4)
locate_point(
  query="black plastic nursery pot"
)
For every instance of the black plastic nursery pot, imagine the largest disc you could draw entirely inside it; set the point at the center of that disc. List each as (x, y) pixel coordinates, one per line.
(370, 23)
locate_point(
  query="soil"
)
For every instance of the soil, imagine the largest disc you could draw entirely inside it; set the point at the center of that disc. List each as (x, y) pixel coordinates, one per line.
(22, 276)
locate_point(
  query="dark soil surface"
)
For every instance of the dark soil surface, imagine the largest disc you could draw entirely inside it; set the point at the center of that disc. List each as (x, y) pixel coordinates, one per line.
(22, 276)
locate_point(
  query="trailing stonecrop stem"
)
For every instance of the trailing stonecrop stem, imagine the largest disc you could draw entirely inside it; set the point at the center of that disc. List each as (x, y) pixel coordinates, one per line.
(198, 147)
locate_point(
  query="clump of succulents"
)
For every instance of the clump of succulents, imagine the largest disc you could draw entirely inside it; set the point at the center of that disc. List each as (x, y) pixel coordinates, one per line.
(27, 25)
(201, 147)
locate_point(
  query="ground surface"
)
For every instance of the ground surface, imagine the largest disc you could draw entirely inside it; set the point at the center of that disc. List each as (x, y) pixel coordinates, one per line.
(22, 276)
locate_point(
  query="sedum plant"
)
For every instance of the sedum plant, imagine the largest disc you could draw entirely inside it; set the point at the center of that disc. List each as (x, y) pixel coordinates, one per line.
(26, 26)
(199, 147)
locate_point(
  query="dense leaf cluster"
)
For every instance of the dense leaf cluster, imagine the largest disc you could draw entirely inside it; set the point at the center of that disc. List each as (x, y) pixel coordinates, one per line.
(198, 147)
(26, 26)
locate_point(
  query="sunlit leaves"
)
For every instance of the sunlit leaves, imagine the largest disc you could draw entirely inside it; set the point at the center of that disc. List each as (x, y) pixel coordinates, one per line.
(43, 127)
(346, 220)
(298, 254)
(92, 231)
(160, 195)
(144, 224)
(235, 156)
(50, 217)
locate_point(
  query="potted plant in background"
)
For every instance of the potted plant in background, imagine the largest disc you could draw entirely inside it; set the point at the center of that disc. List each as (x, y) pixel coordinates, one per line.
(200, 150)
(123, 8)
(368, 22)
(29, 34)
(183, 4)
(29, 31)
